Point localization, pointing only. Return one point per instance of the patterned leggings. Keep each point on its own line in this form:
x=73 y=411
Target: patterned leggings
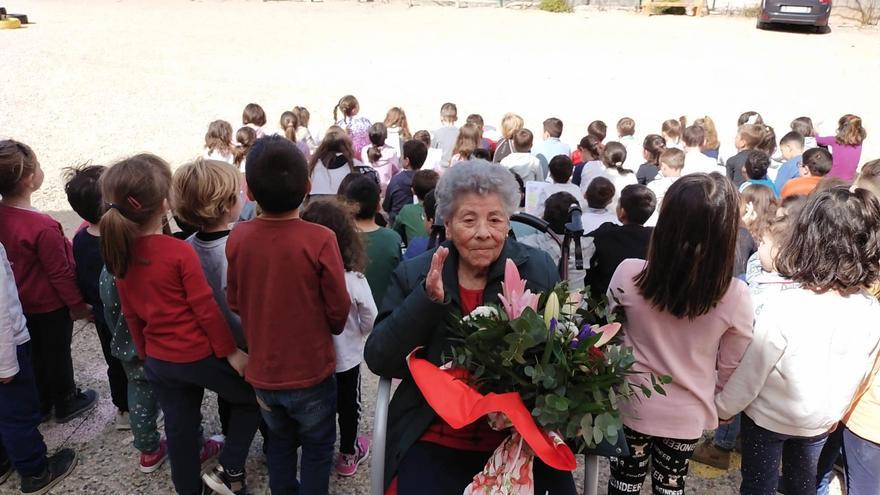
x=143 y=407
x=670 y=459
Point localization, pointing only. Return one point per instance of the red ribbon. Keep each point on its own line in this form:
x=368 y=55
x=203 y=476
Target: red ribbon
x=459 y=405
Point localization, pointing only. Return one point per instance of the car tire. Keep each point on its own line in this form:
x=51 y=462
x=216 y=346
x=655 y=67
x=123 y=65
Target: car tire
x=761 y=25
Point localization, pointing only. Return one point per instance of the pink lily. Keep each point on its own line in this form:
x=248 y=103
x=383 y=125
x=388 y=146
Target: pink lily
x=607 y=333
x=514 y=295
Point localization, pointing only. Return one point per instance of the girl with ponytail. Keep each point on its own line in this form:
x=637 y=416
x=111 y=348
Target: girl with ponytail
x=613 y=157
x=654 y=146
x=379 y=155
x=846 y=146
x=358 y=128
x=175 y=322
x=331 y=162
x=289 y=125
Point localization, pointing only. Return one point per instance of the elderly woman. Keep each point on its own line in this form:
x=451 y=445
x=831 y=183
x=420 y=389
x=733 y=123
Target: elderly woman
x=427 y=456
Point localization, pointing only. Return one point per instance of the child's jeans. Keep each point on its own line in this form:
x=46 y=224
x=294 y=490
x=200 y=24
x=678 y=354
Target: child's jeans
x=762 y=451
x=862 y=461
x=115 y=373
x=20 y=440
x=348 y=390
x=725 y=435
x=143 y=407
x=670 y=459
x=51 y=335
x=302 y=417
x=832 y=449
x=180 y=388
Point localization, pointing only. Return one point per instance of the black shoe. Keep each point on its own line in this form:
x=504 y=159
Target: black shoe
x=59 y=466
x=225 y=483
x=76 y=406
x=5 y=470
x=45 y=416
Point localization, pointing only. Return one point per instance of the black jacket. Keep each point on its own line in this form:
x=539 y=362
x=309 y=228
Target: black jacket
x=615 y=243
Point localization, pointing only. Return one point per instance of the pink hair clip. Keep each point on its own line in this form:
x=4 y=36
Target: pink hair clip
x=134 y=203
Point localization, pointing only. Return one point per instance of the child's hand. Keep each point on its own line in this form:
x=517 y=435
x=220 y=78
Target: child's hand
x=4 y=381
x=83 y=313
x=239 y=361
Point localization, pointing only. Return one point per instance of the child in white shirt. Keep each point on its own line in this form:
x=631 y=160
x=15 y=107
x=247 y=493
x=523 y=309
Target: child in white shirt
x=560 y=171
x=521 y=160
x=671 y=164
x=599 y=196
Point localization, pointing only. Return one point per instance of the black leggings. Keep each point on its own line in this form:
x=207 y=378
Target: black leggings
x=51 y=335
x=669 y=457
x=348 y=406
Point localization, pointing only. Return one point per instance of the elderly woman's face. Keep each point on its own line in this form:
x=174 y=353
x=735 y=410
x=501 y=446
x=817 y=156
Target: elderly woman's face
x=478 y=228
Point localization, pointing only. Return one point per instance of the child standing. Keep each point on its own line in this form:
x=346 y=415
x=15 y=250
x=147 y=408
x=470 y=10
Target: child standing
x=466 y=143
x=218 y=142
x=176 y=325
x=303 y=135
x=398 y=128
x=410 y=222
x=21 y=445
x=419 y=245
x=254 y=117
x=812 y=346
x=846 y=146
x=84 y=195
x=385 y=159
x=331 y=162
x=400 y=189
x=297 y=275
x=358 y=128
x=432 y=162
x=349 y=345
x=815 y=165
x=687 y=330
x=289 y=125
x=521 y=161
x=382 y=244
x=560 y=169
x=792 y=147
x=444 y=137
x=42 y=261
x=244 y=138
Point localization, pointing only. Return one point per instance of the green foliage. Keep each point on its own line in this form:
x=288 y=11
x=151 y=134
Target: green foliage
x=568 y=384
x=554 y=6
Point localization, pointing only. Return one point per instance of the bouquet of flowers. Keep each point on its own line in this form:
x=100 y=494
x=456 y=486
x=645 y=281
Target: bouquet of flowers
x=556 y=376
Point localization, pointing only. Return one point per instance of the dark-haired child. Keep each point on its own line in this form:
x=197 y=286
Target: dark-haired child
x=356 y=126
x=254 y=117
x=379 y=155
x=420 y=244
x=653 y=146
x=382 y=244
x=292 y=298
x=560 y=169
x=626 y=135
x=349 y=345
x=614 y=243
x=755 y=171
x=42 y=261
x=599 y=195
x=410 y=223
x=671 y=165
x=792 y=147
x=813 y=344
x=22 y=447
x=400 y=189
x=551 y=146
x=749 y=137
x=84 y=195
x=814 y=166
x=175 y=323
x=520 y=160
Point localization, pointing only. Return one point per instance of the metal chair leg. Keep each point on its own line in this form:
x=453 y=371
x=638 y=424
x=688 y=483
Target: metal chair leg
x=380 y=435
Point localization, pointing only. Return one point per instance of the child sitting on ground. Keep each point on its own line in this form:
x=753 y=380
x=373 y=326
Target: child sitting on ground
x=815 y=165
x=804 y=127
x=296 y=275
x=695 y=161
x=551 y=146
x=400 y=189
x=671 y=165
x=671 y=132
x=382 y=244
x=175 y=323
x=590 y=152
x=755 y=171
x=419 y=245
x=626 y=130
x=380 y=156
x=218 y=142
x=560 y=171
x=22 y=447
x=410 y=222
x=748 y=138
x=614 y=243
x=599 y=195
x=653 y=147
x=349 y=345
x=613 y=157
x=254 y=117
x=510 y=123
x=813 y=345
x=792 y=147
x=520 y=160
x=42 y=261
x=84 y=195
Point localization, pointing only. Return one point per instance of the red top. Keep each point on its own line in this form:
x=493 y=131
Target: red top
x=42 y=260
x=168 y=304
x=287 y=281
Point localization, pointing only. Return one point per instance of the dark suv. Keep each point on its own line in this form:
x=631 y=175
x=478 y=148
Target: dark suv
x=803 y=12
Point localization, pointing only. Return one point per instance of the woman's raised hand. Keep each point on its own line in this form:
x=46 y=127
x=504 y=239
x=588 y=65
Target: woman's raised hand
x=434 y=282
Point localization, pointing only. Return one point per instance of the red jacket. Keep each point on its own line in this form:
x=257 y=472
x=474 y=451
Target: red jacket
x=42 y=260
x=168 y=304
x=287 y=281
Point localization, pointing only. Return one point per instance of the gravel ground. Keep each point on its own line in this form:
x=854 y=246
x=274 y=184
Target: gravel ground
x=100 y=81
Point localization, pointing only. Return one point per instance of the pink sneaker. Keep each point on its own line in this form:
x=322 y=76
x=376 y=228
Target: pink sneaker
x=347 y=464
x=153 y=461
x=210 y=451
